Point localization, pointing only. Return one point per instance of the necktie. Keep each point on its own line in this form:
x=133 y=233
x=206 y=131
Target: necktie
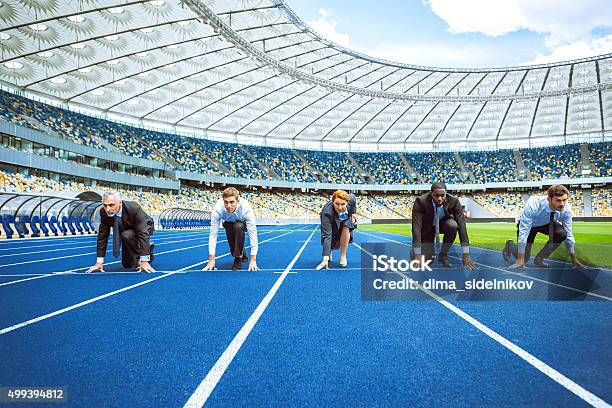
x=551 y=226
x=437 y=222
x=116 y=236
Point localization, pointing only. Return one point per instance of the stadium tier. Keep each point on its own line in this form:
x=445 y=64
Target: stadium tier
x=274 y=207
x=270 y=163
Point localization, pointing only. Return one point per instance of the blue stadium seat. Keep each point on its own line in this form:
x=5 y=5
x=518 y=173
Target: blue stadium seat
x=90 y=226
x=13 y=223
x=42 y=223
x=68 y=227
x=54 y=225
x=33 y=227
x=77 y=226
x=7 y=227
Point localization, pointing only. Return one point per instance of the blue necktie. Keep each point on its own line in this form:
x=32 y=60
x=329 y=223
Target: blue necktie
x=437 y=223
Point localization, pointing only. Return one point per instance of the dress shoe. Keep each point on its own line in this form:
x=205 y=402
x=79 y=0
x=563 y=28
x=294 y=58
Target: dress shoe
x=538 y=262
x=237 y=265
x=444 y=262
x=506 y=250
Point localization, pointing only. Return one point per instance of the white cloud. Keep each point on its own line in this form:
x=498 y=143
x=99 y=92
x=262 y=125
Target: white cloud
x=325 y=26
x=432 y=55
x=577 y=49
x=493 y=18
x=560 y=21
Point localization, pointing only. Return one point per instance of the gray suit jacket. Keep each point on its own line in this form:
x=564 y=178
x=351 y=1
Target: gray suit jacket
x=330 y=223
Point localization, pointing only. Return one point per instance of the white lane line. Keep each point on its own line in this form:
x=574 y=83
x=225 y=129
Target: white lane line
x=63 y=238
x=30 y=239
x=90 y=245
x=524 y=275
x=544 y=368
x=506 y=271
x=83 y=254
x=21 y=275
x=203 y=391
x=86 y=302
x=19 y=245
x=71 y=271
x=18 y=242
x=499 y=251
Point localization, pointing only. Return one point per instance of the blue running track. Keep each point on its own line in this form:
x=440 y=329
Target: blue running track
x=290 y=335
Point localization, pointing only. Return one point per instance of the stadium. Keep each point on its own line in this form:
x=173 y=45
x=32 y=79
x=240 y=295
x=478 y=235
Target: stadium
x=170 y=104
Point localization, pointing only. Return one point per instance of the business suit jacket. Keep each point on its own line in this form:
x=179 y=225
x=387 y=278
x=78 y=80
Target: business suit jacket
x=423 y=219
x=330 y=222
x=132 y=218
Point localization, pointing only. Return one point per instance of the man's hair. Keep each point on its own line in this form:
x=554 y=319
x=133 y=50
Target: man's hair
x=341 y=194
x=111 y=193
x=231 y=192
x=438 y=186
x=557 y=191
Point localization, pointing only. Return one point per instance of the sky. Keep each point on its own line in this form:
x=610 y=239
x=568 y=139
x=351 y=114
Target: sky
x=464 y=33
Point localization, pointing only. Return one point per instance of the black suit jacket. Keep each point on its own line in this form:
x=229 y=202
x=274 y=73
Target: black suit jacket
x=134 y=218
x=423 y=218
x=330 y=222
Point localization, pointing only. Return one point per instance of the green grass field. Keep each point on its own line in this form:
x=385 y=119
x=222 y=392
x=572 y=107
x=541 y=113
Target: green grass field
x=593 y=239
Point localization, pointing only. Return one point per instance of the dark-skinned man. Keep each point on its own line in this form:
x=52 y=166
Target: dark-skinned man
x=438 y=213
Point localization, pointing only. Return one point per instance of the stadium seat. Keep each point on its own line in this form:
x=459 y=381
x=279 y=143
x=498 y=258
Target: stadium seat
x=54 y=225
x=89 y=224
x=42 y=225
x=30 y=227
x=15 y=226
x=68 y=226
x=24 y=224
x=78 y=228
x=7 y=231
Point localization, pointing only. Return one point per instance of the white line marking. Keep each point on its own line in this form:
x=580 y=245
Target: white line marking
x=86 y=302
x=83 y=254
x=109 y=263
x=505 y=271
x=524 y=275
x=6 y=242
x=91 y=245
x=491 y=250
x=203 y=391
x=550 y=372
x=21 y=275
x=72 y=244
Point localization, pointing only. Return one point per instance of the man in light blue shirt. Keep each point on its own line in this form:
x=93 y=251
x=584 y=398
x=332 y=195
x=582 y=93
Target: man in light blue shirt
x=550 y=215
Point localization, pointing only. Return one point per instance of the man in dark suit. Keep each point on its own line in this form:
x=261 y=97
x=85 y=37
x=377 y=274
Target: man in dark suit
x=338 y=220
x=132 y=228
x=435 y=213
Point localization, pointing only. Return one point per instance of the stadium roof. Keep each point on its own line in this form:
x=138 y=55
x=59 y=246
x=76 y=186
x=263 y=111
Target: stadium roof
x=252 y=71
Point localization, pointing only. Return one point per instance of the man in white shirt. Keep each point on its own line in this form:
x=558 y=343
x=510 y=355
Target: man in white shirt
x=238 y=218
x=550 y=215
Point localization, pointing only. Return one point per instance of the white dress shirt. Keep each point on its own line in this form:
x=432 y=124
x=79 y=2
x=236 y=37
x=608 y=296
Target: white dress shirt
x=536 y=213
x=244 y=212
